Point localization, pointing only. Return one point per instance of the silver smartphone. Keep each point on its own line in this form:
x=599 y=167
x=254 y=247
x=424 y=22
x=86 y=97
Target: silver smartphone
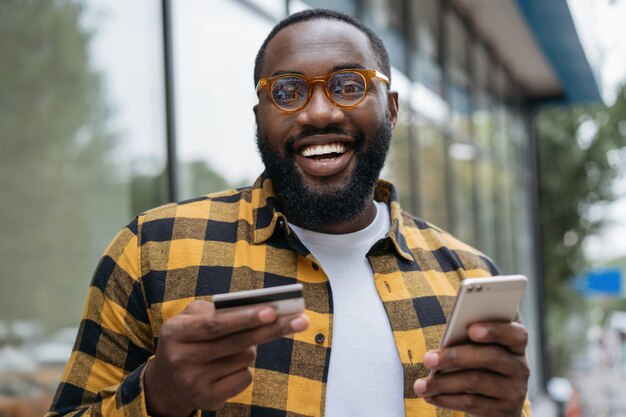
x=285 y=299
x=481 y=300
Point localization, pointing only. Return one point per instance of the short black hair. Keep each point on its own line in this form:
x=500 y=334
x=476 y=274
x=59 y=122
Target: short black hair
x=382 y=57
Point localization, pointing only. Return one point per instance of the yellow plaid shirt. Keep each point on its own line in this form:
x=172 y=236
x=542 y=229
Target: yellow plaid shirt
x=239 y=240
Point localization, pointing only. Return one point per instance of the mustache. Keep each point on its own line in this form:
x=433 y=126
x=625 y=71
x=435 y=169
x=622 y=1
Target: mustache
x=311 y=131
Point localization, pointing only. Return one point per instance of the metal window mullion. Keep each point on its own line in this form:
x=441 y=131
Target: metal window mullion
x=413 y=133
x=471 y=45
x=170 y=108
x=442 y=48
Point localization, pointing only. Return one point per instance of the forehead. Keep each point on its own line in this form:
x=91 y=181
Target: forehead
x=317 y=46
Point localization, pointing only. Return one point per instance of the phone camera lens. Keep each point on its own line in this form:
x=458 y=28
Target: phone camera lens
x=470 y=289
x=479 y=288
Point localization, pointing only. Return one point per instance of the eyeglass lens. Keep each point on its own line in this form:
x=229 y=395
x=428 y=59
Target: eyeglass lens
x=344 y=88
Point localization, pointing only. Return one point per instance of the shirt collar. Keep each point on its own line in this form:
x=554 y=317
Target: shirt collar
x=267 y=214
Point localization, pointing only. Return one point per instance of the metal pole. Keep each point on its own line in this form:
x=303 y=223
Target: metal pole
x=170 y=108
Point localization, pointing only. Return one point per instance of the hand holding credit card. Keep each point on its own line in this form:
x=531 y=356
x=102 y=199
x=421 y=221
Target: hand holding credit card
x=285 y=299
x=205 y=353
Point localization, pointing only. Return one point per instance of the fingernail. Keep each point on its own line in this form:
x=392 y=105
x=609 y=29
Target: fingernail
x=431 y=359
x=479 y=332
x=299 y=323
x=420 y=386
x=267 y=315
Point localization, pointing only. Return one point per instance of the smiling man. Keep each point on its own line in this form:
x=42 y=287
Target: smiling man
x=378 y=283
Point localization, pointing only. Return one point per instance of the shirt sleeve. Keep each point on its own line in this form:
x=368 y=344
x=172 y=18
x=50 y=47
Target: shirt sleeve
x=104 y=376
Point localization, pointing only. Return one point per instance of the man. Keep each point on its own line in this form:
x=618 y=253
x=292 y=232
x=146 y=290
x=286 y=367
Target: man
x=151 y=342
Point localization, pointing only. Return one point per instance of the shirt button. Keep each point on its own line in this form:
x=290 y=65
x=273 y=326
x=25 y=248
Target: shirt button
x=314 y=265
x=319 y=338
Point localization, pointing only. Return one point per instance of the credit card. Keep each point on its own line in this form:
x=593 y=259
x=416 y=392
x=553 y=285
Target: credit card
x=285 y=299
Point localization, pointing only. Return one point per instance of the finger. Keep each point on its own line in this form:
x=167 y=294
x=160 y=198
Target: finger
x=223 y=367
x=237 y=342
x=474 y=356
x=210 y=360
x=470 y=404
x=228 y=387
x=199 y=322
x=513 y=335
x=479 y=382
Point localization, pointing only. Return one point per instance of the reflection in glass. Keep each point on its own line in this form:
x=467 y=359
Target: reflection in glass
x=456 y=48
x=482 y=120
x=460 y=109
x=82 y=132
x=424 y=34
x=518 y=138
x=432 y=174
x=398 y=165
x=462 y=157
x=215 y=93
x=345 y=6
x=385 y=18
x=274 y=8
x=486 y=177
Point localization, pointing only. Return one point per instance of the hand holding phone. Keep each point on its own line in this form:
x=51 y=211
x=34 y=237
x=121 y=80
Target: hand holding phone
x=482 y=300
x=485 y=375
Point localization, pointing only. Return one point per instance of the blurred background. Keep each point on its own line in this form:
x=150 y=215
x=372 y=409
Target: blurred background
x=512 y=136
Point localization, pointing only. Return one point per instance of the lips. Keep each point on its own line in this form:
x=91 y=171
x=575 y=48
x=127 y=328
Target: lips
x=324 y=155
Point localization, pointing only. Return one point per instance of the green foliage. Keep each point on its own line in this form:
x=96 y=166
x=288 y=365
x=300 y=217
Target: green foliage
x=55 y=149
x=68 y=181
x=576 y=173
x=203 y=179
x=148 y=191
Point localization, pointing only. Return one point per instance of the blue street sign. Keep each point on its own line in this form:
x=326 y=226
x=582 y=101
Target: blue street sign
x=602 y=282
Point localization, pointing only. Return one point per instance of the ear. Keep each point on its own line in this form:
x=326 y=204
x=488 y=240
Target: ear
x=392 y=102
x=255 y=109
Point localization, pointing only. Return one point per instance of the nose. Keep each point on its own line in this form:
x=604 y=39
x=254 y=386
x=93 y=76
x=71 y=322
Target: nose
x=320 y=112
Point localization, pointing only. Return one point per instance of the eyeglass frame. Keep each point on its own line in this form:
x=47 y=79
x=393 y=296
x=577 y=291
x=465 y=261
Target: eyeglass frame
x=367 y=74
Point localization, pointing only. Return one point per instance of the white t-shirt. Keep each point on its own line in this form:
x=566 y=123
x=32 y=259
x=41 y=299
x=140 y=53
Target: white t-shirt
x=365 y=376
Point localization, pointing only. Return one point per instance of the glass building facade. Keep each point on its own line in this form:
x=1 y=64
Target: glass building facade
x=85 y=143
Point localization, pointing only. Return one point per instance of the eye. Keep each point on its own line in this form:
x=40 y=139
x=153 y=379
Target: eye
x=347 y=86
x=289 y=91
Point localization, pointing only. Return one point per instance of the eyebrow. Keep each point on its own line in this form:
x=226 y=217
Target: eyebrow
x=338 y=67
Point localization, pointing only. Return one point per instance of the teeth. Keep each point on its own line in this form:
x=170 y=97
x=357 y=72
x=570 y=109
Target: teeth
x=316 y=150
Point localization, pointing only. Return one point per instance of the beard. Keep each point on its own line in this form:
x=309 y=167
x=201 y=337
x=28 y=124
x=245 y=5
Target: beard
x=320 y=206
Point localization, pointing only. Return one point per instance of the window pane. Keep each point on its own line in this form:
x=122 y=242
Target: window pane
x=424 y=32
x=458 y=97
x=215 y=93
x=432 y=174
x=462 y=159
x=385 y=18
x=82 y=150
x=482 y=65
x=345 y=6
x=456 y=48
x=275 y=9
x=482 y=120
x=398 y=165
x=486 y=174
x=425 y=27
x=456 y=66
x=505 y=245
